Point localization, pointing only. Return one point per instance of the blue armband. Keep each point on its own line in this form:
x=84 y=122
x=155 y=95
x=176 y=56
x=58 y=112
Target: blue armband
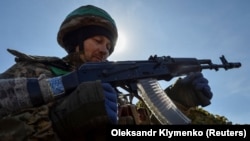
x=56 y=86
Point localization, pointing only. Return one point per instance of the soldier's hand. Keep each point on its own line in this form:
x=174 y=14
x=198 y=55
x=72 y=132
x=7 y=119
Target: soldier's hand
x=191 y=91
x=110 y=101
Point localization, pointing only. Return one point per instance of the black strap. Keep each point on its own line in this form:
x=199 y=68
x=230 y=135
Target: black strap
x=35 y=93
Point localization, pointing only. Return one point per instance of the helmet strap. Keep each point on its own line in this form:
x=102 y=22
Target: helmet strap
x=81 y=47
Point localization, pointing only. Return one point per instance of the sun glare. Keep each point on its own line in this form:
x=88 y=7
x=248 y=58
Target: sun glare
x=121 y=42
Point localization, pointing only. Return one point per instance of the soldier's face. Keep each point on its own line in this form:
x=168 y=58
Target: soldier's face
x=96 y=49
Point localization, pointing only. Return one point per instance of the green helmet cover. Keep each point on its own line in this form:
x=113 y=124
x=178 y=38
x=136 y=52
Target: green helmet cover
x=87 y=16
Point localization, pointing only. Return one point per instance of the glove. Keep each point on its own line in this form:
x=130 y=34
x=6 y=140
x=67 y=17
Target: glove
x=191 y=91
x=110 y=102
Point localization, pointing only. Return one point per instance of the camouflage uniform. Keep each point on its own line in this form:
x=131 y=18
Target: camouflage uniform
x=32 y=121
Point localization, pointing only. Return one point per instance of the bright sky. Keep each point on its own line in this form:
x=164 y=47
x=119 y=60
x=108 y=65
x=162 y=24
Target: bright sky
x=202 y=29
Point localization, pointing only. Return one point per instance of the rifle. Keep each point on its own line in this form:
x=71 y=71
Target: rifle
x=140 y=78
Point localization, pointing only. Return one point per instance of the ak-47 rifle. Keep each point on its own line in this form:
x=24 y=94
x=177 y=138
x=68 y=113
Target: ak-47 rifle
x=142 y=76
x=139 y=78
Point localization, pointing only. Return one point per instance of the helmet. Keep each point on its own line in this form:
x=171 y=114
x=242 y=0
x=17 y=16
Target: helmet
x=86 y=18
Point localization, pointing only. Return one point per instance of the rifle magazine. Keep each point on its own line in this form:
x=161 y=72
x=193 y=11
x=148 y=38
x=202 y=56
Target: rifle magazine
x=160 y=104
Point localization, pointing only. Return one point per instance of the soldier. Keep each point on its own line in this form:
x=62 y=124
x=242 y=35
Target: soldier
x=29 y=109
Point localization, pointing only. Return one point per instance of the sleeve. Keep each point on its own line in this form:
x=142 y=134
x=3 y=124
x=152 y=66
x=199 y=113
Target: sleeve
x=80 y=111
x=13 y=95
x=20 y=93
x=24 y=85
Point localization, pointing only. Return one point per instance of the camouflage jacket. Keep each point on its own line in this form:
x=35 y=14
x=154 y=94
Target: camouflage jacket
x=32 y=123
